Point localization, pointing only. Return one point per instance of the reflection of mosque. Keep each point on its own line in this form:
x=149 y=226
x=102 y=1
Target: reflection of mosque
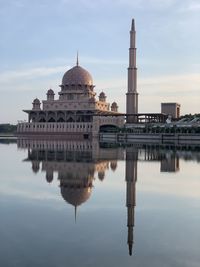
x=78 y=162
x=75 y=162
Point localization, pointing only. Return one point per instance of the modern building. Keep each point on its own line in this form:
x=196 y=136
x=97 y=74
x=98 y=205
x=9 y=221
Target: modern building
x=75 y=113
x=172 y=109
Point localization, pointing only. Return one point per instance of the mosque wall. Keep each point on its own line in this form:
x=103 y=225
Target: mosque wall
x=54 y=127
x=55 y=105
x=106 y=120
x=70 y=127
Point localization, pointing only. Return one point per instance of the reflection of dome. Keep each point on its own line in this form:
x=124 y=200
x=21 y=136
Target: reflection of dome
x=113 y=165
x=101 y=175
x=77 y=76
x=75 y=196
x=49 y=177
x=35 y=166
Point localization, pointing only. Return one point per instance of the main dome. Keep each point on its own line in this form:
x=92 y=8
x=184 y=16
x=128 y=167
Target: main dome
x=77 y=76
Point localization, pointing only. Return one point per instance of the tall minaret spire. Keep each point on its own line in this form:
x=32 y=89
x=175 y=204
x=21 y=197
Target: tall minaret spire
x=132 y=94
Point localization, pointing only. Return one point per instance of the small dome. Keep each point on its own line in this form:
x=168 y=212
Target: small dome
x=36 y=101
x=77 y=76
x=114 y=105
x=50 y=92
x=102 y=95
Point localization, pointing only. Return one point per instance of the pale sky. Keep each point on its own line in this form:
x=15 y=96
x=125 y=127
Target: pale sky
x=39 y=40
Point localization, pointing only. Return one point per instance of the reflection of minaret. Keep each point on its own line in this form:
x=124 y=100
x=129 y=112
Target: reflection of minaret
x=132 y=94
x=131 y=178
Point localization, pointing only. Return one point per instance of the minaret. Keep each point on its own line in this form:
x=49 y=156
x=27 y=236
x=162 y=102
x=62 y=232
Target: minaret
x=131 y=178
x=132 y=94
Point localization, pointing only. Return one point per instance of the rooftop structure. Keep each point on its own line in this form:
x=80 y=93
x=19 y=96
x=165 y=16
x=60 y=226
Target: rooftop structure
x=171 y=109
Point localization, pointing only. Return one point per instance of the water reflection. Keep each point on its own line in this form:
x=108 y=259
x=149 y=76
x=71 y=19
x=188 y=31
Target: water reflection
x=131 y=179
x=76 y=164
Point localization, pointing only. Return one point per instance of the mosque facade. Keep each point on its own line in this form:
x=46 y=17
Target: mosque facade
x=76 y=112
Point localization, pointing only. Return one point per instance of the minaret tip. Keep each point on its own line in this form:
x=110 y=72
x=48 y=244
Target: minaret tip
x=133 y=25
x=77 y=61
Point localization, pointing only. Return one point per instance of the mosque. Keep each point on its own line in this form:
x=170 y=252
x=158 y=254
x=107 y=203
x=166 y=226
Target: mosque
x=77 y=112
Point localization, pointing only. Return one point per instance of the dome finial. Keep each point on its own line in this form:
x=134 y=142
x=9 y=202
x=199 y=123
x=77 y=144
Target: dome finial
x=77 y=61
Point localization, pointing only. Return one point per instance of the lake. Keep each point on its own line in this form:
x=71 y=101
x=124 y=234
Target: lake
x=70 y=203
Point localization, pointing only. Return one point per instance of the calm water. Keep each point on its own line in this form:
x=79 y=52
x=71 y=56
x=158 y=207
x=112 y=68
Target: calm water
x=75 y=204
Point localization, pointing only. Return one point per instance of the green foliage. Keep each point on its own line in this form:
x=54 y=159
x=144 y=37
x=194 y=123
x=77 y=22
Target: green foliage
x=190 y=116
x=8 y=128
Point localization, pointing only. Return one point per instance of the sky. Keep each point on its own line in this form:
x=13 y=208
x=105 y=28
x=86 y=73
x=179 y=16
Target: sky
x=40 y=38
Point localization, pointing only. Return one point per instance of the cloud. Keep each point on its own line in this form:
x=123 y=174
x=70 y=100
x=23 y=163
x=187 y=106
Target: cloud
x=103 y=61
x=192 y=6
x=142 y=4
x=174 y=83
x=41 y=195
x=11 y=76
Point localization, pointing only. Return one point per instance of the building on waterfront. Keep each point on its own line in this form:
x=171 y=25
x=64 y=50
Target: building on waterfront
x=76 y=113
x=172 y=109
